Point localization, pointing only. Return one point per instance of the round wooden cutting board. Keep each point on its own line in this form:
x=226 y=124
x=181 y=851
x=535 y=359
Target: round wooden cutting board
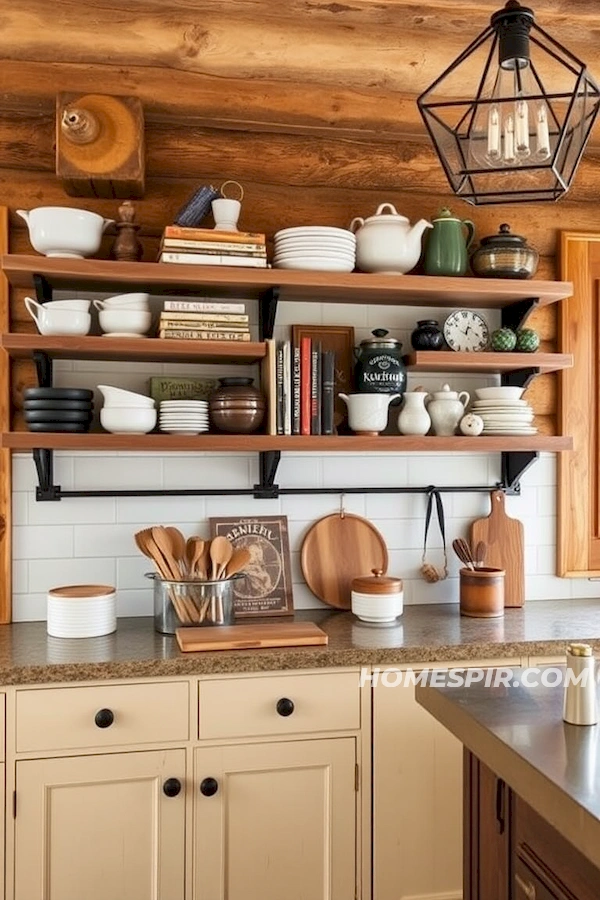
x=337 y=549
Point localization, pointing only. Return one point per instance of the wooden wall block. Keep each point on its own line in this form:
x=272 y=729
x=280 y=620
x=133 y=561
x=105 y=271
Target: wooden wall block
x=100 y=145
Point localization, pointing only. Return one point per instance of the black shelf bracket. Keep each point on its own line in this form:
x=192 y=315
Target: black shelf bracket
x=520 y=377
x=515 y=315
x=514 y=465
x=268 y=462
x=43 y=368
x=43 y=289
x=267 y=311
x=44 y=464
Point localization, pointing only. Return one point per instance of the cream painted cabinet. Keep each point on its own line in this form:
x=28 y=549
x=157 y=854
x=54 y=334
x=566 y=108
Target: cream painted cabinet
x=275 y=820
x=100 y=827
x=417 y=798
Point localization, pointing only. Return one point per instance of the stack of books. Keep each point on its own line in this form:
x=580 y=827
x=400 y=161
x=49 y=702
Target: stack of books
x=300 y=384
x=204 y=320
x=211 y=247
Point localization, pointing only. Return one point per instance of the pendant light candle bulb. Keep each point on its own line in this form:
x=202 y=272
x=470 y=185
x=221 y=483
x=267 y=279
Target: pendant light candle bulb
x=493 y=143
x=543 y=135
x=522 y=129
x=509 y=141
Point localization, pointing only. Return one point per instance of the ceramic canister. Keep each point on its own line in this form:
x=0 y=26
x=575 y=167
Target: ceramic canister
x=81 y=611
x=379 y=365
x=377 y=598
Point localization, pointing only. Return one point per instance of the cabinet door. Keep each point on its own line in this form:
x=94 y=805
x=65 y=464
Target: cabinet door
x=280 y=824
x=417 y=801
x=578 y=518
x=487 y=833
x=100 y=828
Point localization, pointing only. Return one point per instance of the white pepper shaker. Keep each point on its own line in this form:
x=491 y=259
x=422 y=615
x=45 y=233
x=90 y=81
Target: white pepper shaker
x=580 y=706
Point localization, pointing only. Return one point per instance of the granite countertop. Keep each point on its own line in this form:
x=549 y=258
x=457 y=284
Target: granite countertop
x=519 y=733
x=434 y=633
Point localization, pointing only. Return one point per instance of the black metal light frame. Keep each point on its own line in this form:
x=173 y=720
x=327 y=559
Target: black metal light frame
x=511 y=30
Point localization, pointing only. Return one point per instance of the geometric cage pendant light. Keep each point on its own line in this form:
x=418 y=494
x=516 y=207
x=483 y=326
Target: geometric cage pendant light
x=510 y=117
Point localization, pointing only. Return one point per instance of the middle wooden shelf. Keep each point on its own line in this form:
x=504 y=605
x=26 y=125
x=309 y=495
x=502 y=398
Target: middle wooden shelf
x=21 y=346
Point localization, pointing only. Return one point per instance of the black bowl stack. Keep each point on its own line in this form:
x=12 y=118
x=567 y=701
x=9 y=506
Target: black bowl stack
x=58 y=409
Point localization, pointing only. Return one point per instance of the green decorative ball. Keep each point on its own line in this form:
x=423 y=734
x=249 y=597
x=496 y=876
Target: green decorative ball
x=503 y=340
x=528 y=340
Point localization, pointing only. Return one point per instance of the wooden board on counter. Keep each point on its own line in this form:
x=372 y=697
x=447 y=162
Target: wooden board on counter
x=247 y=637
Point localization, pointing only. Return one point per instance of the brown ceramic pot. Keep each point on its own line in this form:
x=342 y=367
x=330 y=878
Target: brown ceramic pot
x=237 y=407
x=482 y=593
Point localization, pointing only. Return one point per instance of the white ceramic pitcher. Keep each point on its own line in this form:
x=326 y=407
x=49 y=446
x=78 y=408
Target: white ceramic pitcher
x=446 y=409
x=414 y=418
x=368 y=413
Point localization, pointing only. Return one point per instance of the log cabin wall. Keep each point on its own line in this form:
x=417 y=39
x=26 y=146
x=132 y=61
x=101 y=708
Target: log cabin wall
x=310 y=104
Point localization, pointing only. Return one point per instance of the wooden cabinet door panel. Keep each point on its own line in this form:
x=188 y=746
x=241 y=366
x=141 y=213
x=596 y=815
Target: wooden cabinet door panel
x=282 y=823
x=578 y=521
x=100 y=828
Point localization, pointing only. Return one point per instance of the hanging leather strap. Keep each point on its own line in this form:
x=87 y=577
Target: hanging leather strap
x=434 y=494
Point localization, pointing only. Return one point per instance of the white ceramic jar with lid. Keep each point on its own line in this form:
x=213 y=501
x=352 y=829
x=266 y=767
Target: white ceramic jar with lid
x=81 y=611
x=377 y=598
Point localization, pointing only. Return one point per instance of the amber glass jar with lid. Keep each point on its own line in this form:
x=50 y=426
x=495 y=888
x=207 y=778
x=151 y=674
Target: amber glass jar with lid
x=377 y=598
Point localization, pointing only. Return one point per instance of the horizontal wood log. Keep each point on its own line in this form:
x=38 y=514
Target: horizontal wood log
x=269 y=207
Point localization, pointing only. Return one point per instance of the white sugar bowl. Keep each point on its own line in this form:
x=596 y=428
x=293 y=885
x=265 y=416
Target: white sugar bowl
x=377 y=598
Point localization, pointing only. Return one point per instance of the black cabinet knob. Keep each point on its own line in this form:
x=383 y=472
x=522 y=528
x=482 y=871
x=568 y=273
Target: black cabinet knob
x=172 y=787
x=209 y=787
x=285 y=706
x=104 y=718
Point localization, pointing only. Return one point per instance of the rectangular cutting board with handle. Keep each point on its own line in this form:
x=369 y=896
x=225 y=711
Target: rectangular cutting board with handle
x=247 y=637
x=505 y=541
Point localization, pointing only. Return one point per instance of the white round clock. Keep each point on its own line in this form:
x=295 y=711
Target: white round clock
x=466 y=331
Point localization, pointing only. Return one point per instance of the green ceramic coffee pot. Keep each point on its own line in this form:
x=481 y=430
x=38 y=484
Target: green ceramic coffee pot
x=448 y=244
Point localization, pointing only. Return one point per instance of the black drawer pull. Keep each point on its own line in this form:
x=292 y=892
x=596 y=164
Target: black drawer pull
x=104 y=718
x=285 y=706
x=172 y=787
x=209 y=787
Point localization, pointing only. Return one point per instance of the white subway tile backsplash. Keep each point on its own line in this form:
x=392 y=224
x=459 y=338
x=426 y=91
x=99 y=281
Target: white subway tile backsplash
x=458 y=469
x=42 y=542
x=76 y=511
x=362 y=471
x=144 y=511
x=48 y=573
x=309 y=507
x=29 y=607
x=105 y=540
x=135 y=603
x=206 y=472
x=117 y=472
x=20 y=576
x=20 y=508
x=131 y=572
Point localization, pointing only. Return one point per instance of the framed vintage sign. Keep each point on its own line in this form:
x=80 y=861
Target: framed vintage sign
x=267 y=588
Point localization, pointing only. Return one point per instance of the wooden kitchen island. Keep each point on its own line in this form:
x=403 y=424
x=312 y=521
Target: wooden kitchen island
x=531 y=791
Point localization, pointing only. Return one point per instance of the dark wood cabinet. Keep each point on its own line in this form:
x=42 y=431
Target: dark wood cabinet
x=510 y=852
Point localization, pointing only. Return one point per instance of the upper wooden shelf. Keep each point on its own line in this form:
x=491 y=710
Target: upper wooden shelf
x=486 y=362
x=330 y=287
x=133 y=349
x=25 y=440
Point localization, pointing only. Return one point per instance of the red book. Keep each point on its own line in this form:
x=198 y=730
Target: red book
x=305 y=384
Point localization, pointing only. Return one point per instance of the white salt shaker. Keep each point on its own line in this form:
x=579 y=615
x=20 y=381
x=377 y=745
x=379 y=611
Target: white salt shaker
x=580 y=690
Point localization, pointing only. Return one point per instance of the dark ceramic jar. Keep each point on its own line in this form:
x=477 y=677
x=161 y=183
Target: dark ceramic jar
x=379 y=365
x=237 y=407
x=427 y=336
x=505 y=255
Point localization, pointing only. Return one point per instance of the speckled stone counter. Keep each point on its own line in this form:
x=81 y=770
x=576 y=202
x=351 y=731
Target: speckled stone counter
x=424 y=634
x=519 y=733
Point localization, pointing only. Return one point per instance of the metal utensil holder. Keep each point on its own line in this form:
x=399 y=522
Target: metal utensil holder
x=180 y=604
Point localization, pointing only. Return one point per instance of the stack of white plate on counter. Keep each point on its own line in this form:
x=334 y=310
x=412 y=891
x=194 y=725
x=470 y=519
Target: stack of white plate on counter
x=183 y=416
x=315 y=247
x=503 y=411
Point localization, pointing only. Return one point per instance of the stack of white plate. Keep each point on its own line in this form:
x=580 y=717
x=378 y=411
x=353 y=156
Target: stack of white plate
x=81 y=610
x=315 y=247
x=183 y=416
x=505 y=416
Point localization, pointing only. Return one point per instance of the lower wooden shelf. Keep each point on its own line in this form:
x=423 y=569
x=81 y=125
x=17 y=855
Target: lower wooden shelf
x=238 y=443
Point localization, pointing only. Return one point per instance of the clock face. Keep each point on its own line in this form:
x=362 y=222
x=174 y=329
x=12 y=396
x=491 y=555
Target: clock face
x=466 y=331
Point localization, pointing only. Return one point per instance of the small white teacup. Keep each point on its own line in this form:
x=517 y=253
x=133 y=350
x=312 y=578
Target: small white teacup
x=58 y=321
x=78 y=305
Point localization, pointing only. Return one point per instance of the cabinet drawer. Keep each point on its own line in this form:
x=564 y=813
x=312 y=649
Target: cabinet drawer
x=285 y=704
x=70 y=718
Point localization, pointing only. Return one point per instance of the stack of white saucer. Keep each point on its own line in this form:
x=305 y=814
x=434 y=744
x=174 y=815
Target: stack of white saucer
x=315 y=247
x=183 y=416
x=503 y=411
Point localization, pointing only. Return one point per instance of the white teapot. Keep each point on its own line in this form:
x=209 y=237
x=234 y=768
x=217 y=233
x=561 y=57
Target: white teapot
x=446 y=409
x=386 y=243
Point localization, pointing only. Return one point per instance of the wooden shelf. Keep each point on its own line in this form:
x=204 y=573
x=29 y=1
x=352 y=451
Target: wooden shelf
x=235 y=443
x=133 y=349
x=316 y=287
x=486 y=362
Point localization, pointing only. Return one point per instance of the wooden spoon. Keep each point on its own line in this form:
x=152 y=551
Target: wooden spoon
x=462 y=550
x=162 y=540
x=203 y=562
x=178 y=547
x=239 y=560
x=148 y=547
x=221 y=551
x=480 y=554
x=197 y=568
